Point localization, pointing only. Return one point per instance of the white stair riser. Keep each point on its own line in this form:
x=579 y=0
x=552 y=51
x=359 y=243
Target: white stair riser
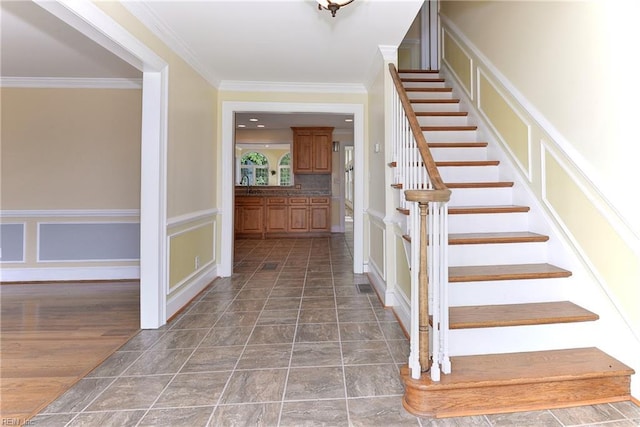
x=468 y=173
x=423 y=84
x=488 y=223
x=497 y=254
x=459 y=153
x=481 y=196
x=439 y=106
x=450 y=136
x=520 y=338
x=429 y=95
x=508 y=291
x=420 y=75
x=442 y=120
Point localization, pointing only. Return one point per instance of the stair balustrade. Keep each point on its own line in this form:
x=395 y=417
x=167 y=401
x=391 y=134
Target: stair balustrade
x=426 y=198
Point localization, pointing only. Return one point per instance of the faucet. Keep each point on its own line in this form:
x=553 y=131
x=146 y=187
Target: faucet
x=242 y=182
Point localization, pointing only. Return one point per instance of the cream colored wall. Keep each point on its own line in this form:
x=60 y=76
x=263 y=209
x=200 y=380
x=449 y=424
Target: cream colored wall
x=575 y=63
x=190 y=249
x=70 y=149
x=192 y=126
x=192 y=153
x=539 y=80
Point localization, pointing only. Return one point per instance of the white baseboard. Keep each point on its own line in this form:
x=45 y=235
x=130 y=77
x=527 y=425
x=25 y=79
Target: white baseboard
x=69 y=273
x=403 y=310
x=187 y=292
x=388 y=298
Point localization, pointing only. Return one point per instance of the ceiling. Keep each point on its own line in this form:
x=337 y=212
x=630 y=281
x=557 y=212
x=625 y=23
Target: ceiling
x=229 y=42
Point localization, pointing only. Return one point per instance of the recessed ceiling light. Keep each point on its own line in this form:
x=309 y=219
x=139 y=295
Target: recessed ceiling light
x=242 y=126
x=348 y=120
x=260 y=126
x=253 y=120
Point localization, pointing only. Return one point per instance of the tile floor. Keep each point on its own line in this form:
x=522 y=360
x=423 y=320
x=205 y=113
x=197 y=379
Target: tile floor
x=288 y=340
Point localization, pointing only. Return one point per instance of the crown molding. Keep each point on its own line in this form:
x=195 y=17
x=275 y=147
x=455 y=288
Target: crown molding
x=295 y=87
x=161 y=30
x=71 y=82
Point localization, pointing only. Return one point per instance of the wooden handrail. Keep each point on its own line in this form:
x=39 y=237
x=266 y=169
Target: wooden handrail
x=442 y=193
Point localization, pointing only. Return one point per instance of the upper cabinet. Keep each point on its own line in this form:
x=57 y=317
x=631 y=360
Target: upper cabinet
x=312 y=149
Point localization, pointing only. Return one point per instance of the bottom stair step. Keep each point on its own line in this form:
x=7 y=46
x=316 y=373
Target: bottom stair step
x=513 y=382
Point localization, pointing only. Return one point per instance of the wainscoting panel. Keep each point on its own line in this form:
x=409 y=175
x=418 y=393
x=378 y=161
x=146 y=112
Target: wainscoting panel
x=12 y=242
x=116 y=241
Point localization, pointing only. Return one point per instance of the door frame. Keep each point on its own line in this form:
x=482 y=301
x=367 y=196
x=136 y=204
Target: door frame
x=229 y=108
x=96 y=25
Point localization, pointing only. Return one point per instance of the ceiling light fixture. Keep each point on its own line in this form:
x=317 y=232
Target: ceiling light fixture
x=253 y=120
x=332 y=6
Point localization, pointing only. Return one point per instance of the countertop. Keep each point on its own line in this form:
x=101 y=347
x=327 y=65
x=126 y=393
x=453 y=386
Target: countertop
x=265 y=191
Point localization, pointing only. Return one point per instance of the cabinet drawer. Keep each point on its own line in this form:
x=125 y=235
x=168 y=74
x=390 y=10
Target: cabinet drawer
x=298 y=200
x=319 y=200
x=276 y=200
x=249 y=201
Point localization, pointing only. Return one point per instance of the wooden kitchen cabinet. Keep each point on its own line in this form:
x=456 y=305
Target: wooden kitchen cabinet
x=319 y=214
x=312 y=149
x=276 y=215
x=298 y=214
x=249 y=218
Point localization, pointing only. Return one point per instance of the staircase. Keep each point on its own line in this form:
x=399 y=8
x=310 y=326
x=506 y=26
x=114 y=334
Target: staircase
x=510 y=326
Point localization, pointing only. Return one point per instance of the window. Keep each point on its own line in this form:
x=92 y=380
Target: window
x=254 y=169
x=284 y=169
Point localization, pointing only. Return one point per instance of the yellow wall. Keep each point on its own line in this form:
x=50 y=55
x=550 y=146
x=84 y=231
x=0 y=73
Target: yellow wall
x=185 y=245
x=70 y=149
x=192 y=127
x=542 y=68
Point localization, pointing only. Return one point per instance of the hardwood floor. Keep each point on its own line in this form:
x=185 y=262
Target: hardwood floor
x=54 y=334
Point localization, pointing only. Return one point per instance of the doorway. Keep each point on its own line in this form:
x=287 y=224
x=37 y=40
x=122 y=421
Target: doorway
x=229 y=109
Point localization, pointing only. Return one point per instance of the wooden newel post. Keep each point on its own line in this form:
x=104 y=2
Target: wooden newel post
x=425 y=360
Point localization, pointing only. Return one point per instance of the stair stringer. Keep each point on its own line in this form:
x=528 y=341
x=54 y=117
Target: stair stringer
x=612 y=332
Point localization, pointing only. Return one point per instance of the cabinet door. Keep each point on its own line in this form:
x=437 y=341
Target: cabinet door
x=319 y=218
x=252 y=219
x=298 y=218
x=303 y=152
x=322 y=146
x=277 y=218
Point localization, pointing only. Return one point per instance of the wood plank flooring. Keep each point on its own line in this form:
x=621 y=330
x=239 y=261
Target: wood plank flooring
x=54 y=334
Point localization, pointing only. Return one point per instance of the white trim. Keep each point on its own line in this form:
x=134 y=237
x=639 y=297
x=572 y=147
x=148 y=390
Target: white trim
x=181 y=297
x=293 y=87
x=191 y=217
x=587 y=172
x=528 y=173
x=226 y=165
x=388 y=299
x=69 y=213
x=472 y=83
x=91 y=21
x=164 y=32
x=389 y=53
x=402 y=308
x=69 y=273
x=71 y=82
x=584 y=257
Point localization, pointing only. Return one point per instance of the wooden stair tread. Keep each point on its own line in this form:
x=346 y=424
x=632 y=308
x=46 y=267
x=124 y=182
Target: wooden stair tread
x=428 y=89
x=489 y=184
x=492 y=238
x=447 y=128
x=483 y=273
x=436 y=101
x=468 y=163
x=488 y=238
x=417 y=70
x=457 y=144
x=464 y=210
x=543 y=313
x=529 y=367
x=421 y=80
x=442 y=113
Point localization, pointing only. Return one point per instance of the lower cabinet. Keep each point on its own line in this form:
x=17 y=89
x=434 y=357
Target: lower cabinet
x=282 y=216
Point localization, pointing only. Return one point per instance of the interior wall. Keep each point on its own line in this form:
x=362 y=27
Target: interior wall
x=566 y=157
x=71 y=173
